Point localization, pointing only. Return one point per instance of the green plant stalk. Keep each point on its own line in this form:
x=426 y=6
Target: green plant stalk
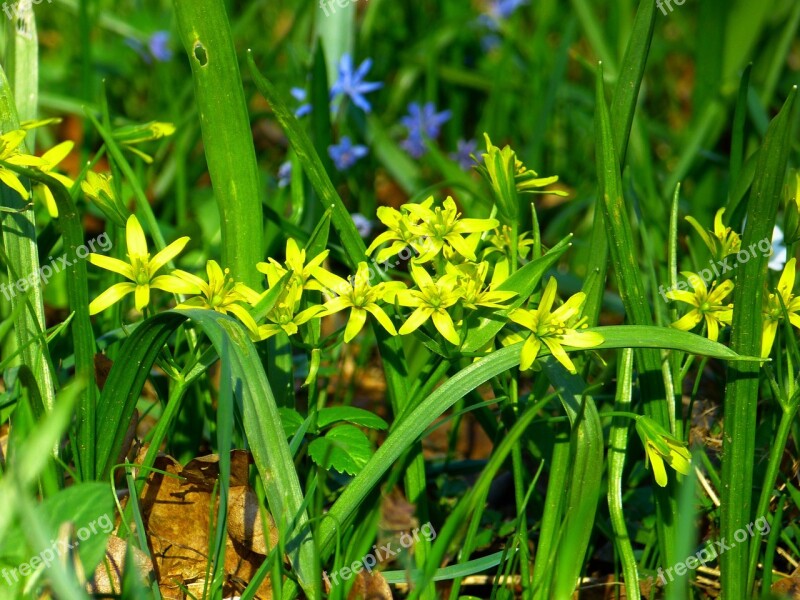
x=586 y=473
x=631 y=291
x=554 y=503
x=617 y=447
x=19 y=241
x=227 y=138
x=741 y=393
x=777 y=446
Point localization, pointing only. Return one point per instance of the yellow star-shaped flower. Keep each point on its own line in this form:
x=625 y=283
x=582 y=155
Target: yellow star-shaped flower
x=554 y=328
x=360 y=297
x=141 y=271
x=9 y=144
x=707 y=304
x=431 y=301
x=662 y=447
x=295 y=262
x=284 y=316
x=722 y=241
x=221 y=294
x=773 y=307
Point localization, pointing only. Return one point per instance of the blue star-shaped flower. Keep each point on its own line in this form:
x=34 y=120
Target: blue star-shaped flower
x=159 y=46
x=352 y=84
x=300 y=95
x=421 y=122
x=462 y=154
x=285 y=174
x=345 y=154
x=499 y=10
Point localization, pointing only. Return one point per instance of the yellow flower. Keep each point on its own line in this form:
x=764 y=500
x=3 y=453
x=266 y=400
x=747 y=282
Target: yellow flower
x=660 y=447
x=130 y=135
x=295 y=262
x=707 y=305
x=97 y=187
x=431 y=301
x=554 y=329
x=722 y=241
x=773 y=307
x=443 y=228
x=221 y=294
x=471 y=277
x=9 y=142
x=140 y=270
x=500 y=241
x=284 y=316
x=51 y=159
x=360 y=297
x=399 y=231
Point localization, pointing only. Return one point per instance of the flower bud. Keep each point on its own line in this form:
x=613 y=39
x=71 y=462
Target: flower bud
x=97 y=187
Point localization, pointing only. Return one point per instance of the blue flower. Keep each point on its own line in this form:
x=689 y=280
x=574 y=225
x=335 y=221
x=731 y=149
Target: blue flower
x=300 y=95
x=462 y=154
x=352 y=84
x=363 y=224
x=498 y=11
x=345 y=155
x=285 y=174
x=159 y=46
x=778 y=256
x=422 y=122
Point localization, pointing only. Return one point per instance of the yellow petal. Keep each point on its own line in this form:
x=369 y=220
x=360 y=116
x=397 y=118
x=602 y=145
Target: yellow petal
x=167 y=254
x=332 y=282
x=57 y=153
x=358 y=316
x=112 y=264
x=381 y=317
x=134 y=235
x=142 y=297
x=444 y=323
x=244 y=316
x=559 y=354
x=216 y=277
x=658 y=466
x=688 y=321
x=768 y=337
x=174 y=285
x=416 y=319
x=12 y=181
x=111 y=296
x=530 y=350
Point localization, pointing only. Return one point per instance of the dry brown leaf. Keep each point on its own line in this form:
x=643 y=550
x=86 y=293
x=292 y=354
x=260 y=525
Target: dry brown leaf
x=370 y=586
x=107 y=577
x=176 y=513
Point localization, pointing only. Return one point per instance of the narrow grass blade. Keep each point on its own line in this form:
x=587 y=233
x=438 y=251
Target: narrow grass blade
x=741 y=393
x=260 y=417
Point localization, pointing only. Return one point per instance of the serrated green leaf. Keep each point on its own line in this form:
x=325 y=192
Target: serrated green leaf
x=351 y=414
x=345 y=448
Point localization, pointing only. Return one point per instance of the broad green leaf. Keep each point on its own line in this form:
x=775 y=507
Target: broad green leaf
x=345 y=448
x=227 y=137
x=351 y=414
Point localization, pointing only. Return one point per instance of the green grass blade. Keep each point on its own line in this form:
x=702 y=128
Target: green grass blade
x=227 y=138
x=741 y=393
x=19 y=241
x=261 y=419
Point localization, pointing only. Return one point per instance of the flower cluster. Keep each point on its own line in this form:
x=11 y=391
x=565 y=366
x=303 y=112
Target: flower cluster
x=454 y=278
x=708 y=305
